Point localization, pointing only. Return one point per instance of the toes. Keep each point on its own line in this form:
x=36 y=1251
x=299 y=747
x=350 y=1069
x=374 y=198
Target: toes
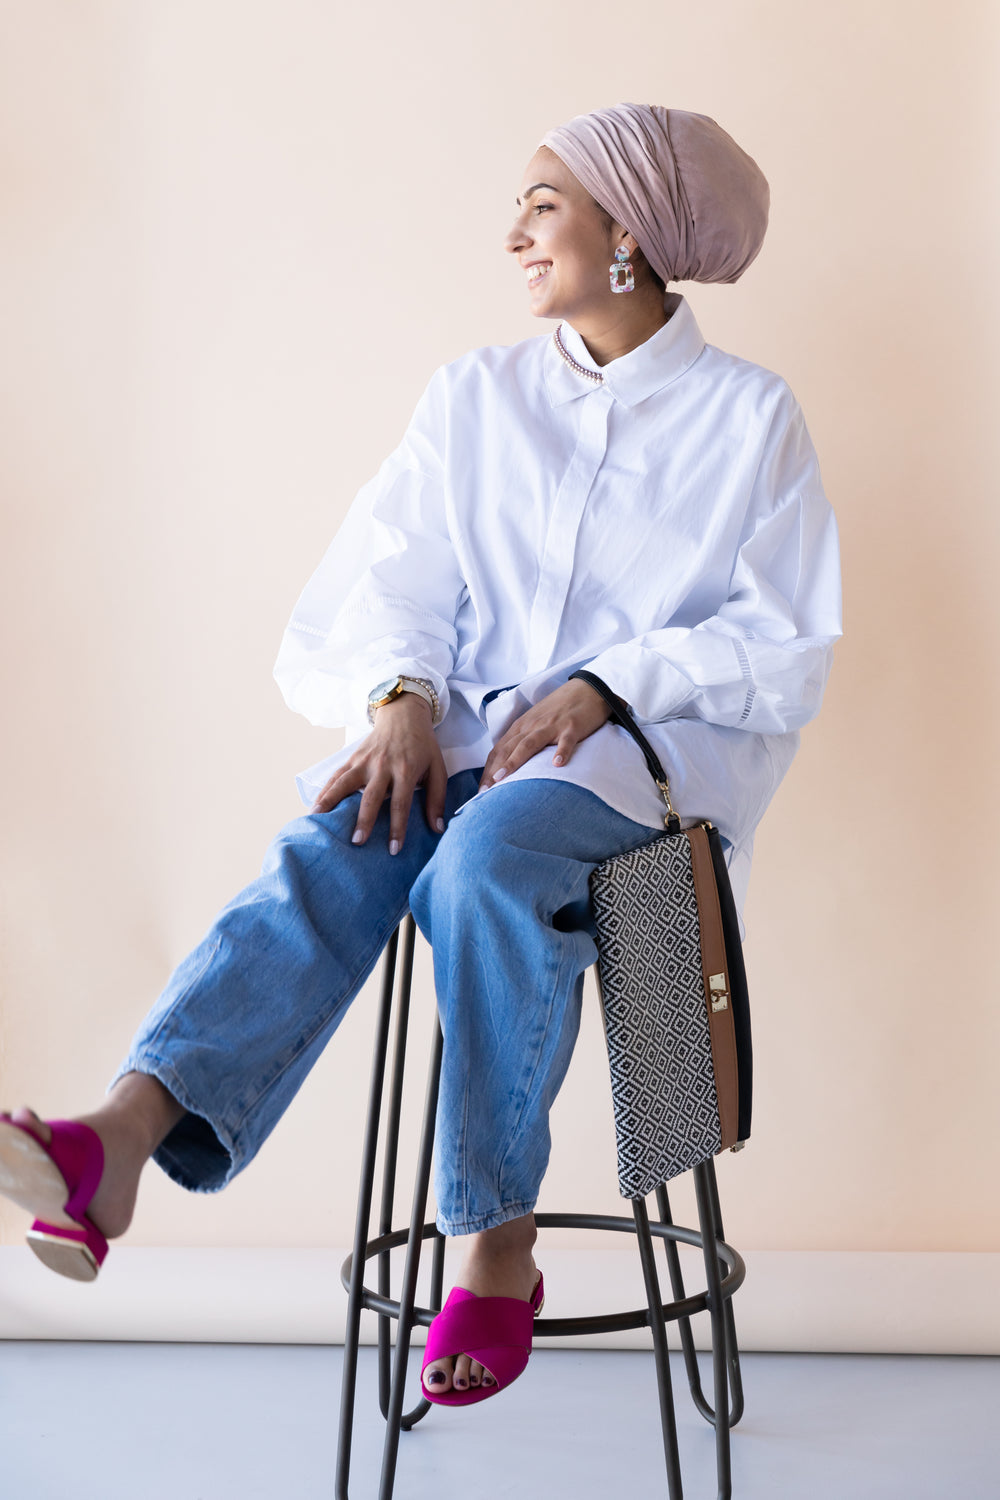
x=30 y=1121
x=437 y=1377
x=461 y=1375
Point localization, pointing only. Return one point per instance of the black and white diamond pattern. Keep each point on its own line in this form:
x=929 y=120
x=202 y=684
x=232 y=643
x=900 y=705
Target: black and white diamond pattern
x=659 y=1048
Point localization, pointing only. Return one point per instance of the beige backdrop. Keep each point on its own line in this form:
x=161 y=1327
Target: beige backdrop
x=237 y=238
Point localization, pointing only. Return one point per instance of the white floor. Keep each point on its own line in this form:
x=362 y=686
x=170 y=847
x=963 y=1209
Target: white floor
x=232 y=1422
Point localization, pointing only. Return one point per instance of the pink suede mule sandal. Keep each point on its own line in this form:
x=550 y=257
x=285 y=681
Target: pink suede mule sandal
x=56 y=1182
x=494 y=1331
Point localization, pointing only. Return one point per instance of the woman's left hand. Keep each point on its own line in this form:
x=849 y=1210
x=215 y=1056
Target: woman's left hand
x=563 y=719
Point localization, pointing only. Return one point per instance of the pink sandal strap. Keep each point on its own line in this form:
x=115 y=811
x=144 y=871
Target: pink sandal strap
x=77 y=1151
x=468 y=1322
x=496 y=1332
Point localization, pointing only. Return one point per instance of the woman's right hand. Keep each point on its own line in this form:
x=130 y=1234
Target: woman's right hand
x=400 y=754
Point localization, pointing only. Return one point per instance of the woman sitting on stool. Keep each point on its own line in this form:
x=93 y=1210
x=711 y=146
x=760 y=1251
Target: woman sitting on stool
x=617 y=496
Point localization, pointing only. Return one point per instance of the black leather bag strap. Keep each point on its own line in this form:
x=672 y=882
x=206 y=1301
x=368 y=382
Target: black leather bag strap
x=621 y=716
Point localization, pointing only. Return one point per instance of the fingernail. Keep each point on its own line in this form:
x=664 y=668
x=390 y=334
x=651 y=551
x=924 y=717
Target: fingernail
x=499 y=775
x=557 y=760
x=394 y=846
x=439 y=824
x=357 y=837
x=436 y=1377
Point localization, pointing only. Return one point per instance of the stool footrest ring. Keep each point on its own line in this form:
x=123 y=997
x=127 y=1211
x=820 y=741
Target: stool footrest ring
x=684 y=1307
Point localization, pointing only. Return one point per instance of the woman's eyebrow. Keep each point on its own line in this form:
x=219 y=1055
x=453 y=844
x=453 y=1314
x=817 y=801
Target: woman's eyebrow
x=537 y=189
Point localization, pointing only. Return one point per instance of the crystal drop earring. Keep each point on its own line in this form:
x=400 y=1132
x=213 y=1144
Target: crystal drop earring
x=622 y=268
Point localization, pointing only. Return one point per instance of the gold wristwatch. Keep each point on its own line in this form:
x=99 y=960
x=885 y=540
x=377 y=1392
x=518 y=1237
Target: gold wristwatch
x=393 y=687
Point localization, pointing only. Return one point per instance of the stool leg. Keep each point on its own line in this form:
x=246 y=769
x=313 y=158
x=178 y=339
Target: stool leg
x=717 y=1312
x=365 y=1192
x=437 y=1273
x=661 y=1353
x=407 y=1296
x=732 y=1347
x=684 y=1324
x=392 y=1153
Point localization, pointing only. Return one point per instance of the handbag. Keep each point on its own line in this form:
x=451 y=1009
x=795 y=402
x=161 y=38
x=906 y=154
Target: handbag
x=673 y=991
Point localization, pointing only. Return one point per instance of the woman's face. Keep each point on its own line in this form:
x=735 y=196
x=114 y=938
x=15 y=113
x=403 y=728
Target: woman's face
x=563 y=241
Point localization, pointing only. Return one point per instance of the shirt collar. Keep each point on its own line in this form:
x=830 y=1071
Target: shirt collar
x=636 y=375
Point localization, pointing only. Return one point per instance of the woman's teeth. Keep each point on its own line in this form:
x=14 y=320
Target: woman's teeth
x=535 y=273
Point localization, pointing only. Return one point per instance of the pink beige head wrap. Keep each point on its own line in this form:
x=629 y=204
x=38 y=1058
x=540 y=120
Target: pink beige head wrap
x=696 y=203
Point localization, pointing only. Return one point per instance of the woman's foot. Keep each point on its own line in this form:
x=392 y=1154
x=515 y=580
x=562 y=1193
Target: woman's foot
x=498 y=1263
x=133 y=1120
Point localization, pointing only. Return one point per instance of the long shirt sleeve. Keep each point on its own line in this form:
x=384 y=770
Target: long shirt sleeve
x=761 y=661
x=386 y=597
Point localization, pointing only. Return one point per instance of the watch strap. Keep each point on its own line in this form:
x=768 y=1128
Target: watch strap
x=418 y=685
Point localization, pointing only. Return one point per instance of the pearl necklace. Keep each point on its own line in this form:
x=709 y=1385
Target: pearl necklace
x=578 y=369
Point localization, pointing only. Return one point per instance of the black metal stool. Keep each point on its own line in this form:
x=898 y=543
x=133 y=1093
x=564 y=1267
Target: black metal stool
x=724 y=1268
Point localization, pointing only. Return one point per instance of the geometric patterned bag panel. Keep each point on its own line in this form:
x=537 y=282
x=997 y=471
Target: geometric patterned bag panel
x=653 y=996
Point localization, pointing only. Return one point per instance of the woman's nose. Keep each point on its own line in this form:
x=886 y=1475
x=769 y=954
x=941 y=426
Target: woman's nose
x=517 y=238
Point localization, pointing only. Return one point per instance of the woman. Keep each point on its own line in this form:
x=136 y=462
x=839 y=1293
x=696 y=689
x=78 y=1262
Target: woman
x=618 y=496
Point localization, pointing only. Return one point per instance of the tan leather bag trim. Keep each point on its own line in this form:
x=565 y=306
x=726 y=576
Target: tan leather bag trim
x=721 y=1027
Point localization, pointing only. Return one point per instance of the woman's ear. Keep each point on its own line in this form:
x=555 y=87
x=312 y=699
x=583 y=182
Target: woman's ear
x=621 y=236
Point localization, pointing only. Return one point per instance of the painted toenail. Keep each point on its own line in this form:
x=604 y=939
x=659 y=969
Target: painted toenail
x=461 y=1384
x=436 y=1377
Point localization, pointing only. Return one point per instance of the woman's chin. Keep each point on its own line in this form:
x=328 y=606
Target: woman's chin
x=543 y=307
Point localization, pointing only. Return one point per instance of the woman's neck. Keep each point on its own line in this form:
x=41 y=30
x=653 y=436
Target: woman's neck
x=618 y=329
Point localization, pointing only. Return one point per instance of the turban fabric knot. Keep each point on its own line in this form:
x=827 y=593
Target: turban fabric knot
x=695 y=202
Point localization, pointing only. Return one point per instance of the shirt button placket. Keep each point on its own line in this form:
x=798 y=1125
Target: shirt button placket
x=556 y=572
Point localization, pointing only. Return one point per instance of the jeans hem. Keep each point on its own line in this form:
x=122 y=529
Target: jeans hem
x=455 y=1227
x=177 y=1164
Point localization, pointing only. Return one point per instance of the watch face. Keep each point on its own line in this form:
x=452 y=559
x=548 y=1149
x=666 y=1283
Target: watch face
x=384 y=691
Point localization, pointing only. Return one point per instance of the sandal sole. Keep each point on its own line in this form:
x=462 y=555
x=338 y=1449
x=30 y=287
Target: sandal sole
x=30 y=1178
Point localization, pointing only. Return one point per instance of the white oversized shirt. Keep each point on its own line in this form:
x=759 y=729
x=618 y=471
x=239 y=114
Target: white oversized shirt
x=666 y=529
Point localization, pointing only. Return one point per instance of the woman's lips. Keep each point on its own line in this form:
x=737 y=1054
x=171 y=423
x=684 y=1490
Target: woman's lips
x=538 y=272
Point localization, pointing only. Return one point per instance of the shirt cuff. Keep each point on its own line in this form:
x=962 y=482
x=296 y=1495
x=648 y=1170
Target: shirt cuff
x=653 y=689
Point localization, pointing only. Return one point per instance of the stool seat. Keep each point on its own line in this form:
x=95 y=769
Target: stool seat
x=724 y=1267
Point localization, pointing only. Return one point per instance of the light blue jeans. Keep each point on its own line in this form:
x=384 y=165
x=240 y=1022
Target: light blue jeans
x=502 y=896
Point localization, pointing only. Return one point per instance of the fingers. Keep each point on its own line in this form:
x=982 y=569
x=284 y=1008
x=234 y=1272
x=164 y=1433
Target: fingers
x=343 y=783
x=565 y=745
x=399 y=813
x=435 y=788
x=499 y=763
x=516 y=749
x=568 y=715
x=494 y=759
x=372 y=798
x=392 y=765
